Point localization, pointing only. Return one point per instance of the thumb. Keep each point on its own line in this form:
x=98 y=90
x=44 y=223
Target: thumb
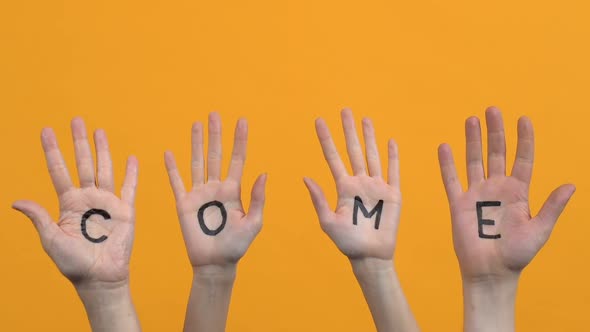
x=38 y=215
x=257 y=199
x=553 y=207
x=318 y=199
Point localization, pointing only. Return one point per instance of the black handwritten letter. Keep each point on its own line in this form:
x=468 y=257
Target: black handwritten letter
x=358 y=204
x=85 y=217
x=480 y=221
x=204 y=227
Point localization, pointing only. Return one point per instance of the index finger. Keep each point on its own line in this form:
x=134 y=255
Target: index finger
x=525 y=151
x=238 y=157
x=330 y=152
x=449 y=172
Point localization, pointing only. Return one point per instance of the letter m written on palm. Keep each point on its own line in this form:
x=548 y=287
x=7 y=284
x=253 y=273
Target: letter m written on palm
x=377 y=210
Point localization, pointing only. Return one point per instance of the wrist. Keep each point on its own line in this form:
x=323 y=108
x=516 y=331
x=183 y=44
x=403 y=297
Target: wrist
x=489 y=302
x=492 y=284
x=384 y=295
x=93 y=289
x=210 y=297
x=108 y=305
x=215 y=273
x=104 y=295
x=370 y=267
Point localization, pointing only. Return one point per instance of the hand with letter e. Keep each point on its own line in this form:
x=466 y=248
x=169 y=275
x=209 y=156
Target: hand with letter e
x=494 y=235
x=91 y=243
x=364 y=224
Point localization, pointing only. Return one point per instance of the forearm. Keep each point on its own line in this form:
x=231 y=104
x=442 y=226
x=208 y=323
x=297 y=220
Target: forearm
x=210 y=298
x=384 y=295
x=489 y=304
x=109 y=306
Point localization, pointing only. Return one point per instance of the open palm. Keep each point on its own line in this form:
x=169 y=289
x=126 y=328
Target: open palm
x=215 y=227
x=509 y=237
x=373 y=234
x=93 y=238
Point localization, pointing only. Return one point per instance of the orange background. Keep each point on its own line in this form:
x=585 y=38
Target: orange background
x=145 y=70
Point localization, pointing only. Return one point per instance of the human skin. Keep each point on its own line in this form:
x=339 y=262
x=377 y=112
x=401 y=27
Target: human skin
x=99 y=271
x=369 y=250
x=214 y=257
x=491 y=262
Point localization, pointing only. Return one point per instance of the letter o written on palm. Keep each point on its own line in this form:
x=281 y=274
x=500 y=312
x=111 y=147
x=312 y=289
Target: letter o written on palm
x=215 y=227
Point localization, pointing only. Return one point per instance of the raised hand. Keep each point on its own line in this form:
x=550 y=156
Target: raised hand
x=217 y=231
x=494 y=234
x=91 y=243
x=364 y=225
x=215 y=227
x=365 y=222
x=505 y=237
